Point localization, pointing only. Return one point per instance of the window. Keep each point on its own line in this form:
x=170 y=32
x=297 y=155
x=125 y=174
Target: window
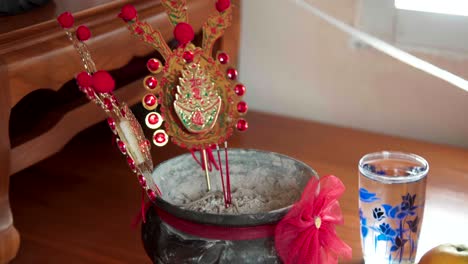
x=449 y=7
x=439 y=26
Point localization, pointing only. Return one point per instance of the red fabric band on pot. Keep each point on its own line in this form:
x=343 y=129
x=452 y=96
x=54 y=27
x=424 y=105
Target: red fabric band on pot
x=217 y=232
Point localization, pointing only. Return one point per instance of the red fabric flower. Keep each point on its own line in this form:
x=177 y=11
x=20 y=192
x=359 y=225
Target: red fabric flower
x=103 y=82
x=307 y=233
x=222 y=5
x=83 y=33
x=84 y=79
x=66 y=20
x=128 y=13
x=183 y=33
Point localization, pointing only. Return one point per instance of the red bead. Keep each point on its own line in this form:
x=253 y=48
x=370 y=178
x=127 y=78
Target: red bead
x=151 y=195
x=83 y=33
x=231 y=74
x=142 y=180
x=123 y=113
x=66 y=20
x=131 y=163
x=222 y=5
x=160 y=138
x=108 y=104
x=121 y=146
x=242 y=107
x=183 y=33
x=153 y=119
x=239 y=89
x=111 y=123
x=188 y=56
x=128 y=13
x=154 y=65
x=151 y=82
x=84 y=79
x=103 y=82
x=242 y=125
x=150 y=100
x=223 y=58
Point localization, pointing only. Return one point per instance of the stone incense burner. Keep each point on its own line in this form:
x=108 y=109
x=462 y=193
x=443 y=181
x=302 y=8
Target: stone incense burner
x=189 y=225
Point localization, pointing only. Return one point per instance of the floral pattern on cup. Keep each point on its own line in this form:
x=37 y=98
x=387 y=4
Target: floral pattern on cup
x=394 y=225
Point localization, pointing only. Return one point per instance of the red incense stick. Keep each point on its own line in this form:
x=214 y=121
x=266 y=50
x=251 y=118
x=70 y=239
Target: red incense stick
x=222 y=177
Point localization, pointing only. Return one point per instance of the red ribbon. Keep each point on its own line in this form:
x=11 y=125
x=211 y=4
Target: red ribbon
x=307 y=233
x=217 y=232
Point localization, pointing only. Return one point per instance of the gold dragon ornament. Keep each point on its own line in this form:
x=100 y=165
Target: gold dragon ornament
x=198 y=96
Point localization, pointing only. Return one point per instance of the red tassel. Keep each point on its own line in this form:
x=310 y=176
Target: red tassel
x=202 y=160
x=211 y=159
x=141 y=216
x=195 y=157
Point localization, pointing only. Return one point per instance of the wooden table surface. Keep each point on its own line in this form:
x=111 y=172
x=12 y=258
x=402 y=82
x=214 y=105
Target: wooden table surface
x=77 y=206
x=45 y=13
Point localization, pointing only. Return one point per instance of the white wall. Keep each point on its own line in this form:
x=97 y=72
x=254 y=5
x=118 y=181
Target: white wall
x=297 y=65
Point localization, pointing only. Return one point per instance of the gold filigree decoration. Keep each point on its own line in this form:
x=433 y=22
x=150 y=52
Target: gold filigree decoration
x=197 y=103
x=214 y=28
x=150 y=36
x=176 y=10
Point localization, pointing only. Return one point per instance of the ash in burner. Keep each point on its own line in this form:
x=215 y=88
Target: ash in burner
x=244 y=201
x=261 y=182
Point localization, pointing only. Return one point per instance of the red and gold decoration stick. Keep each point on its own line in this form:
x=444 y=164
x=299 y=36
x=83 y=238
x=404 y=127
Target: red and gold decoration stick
x=198 y=97
x=98 y=86
x=228 y=178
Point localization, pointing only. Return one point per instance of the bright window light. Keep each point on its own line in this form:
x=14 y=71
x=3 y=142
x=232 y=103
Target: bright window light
x=451 y=7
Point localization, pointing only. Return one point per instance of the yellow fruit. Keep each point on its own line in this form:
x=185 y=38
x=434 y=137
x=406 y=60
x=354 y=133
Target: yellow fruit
x=446 y=254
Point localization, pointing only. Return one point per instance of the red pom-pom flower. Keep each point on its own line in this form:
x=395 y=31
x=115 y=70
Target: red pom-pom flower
x=128 y=13
x=183 y=33
x=307 y=233
x=66 y=20
x=83 y=33
x=103 y=82
x=84 y=79
x=222 y=5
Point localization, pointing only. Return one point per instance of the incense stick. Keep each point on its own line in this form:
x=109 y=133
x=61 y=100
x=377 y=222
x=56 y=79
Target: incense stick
x=222 y=177
x=207 y=173
x=228 y=180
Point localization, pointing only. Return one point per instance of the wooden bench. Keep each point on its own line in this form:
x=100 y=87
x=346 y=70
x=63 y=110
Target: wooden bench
x=38 y=62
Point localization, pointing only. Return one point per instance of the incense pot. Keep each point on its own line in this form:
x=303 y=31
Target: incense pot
x=175 y=234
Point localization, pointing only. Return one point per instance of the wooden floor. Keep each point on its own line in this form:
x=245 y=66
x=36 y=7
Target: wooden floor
x=77 y=206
